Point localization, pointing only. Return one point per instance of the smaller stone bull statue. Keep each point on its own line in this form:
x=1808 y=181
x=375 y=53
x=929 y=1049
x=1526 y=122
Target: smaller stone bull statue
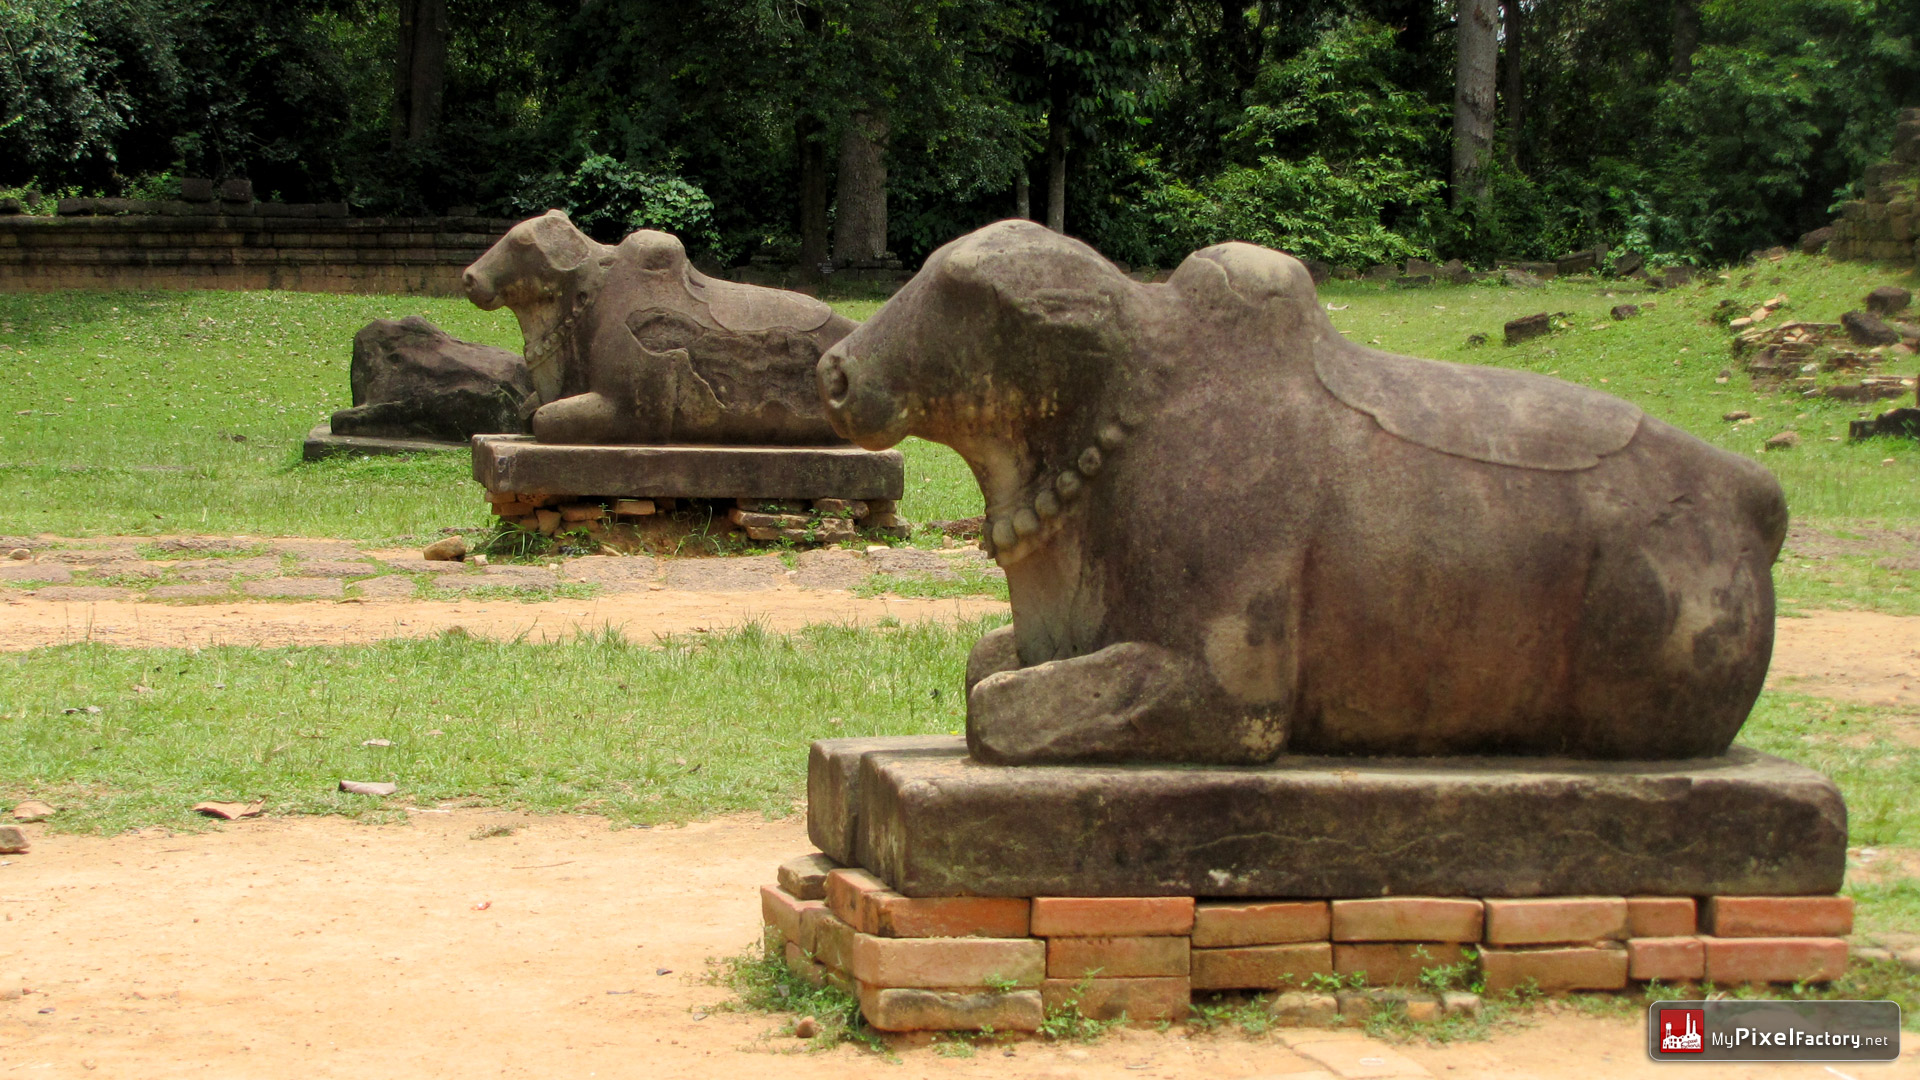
x=628 y=343
x=1229 y=532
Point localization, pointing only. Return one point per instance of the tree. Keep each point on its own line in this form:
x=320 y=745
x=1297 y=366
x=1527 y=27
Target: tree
x=1473 y=99
x=419 y=70
x=1513 y=73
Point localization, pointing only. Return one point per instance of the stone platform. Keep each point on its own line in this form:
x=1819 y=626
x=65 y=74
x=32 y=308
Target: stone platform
x=516 y=463
x=321 y=443
x=928 y=821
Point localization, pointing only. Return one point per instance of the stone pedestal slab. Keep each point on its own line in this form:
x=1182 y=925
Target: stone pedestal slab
x=930 y=821
x=516 y=463
x=321 y=442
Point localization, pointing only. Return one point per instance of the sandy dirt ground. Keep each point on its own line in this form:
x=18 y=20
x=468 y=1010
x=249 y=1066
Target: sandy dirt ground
x=321 y=948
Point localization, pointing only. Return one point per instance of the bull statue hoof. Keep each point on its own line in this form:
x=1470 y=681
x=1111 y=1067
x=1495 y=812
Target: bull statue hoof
x=628 y=343
x=1230 y=533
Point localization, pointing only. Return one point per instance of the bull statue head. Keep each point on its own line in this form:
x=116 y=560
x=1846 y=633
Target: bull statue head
x=548 y=272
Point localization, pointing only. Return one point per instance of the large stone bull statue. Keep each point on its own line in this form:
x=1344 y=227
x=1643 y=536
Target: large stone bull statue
x=628 y=343
x=1230 y=533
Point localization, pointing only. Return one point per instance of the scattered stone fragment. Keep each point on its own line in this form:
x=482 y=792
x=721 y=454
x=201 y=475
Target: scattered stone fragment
x=19 y=554
x=1869 y=330
x=1625 y=311
x=1474 y=341
x=1737 y=414
x=376 y=742
x=366 y=787
x=452 y=549
x=1295 y=1007
x=1888 y=301
x=229 y=811
x=32 y=810
x=1786 y=440
x=12 y=840
x=806 y=1028
x=1520 y=279
x=633 y=507
x=1528 y=327
x=1460 y=1003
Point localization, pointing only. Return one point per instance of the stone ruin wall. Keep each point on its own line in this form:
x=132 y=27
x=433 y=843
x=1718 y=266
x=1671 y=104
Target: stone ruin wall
x=1885 y=226
x=236 y=244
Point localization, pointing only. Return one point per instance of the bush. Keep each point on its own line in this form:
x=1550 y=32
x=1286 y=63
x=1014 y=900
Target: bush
x=608 y=199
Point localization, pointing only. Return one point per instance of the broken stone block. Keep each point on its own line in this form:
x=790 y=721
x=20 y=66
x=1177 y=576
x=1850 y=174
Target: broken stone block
x=1888 y=301
x=805 y=877
x=1528 y=327
x=1868 y=330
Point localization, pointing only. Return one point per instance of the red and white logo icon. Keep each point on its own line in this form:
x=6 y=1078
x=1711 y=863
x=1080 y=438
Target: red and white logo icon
x=1681 y=1031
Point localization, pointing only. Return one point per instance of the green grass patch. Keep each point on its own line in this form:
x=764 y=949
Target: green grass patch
x=640 y=732
x=971 y=582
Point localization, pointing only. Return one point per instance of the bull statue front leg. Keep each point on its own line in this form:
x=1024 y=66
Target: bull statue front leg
x=1128 y=702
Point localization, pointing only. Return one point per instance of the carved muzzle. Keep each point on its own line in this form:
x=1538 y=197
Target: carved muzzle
x=859 y=404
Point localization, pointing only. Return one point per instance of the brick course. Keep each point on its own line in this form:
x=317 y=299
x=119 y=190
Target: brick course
x=1408 y=918
x=1261 y=967
x=941 y=963
x=1141 y=1000
x=1779 y=916
x=1116 y=957
x=1219 y=924
x=865 y=903
x=1556 y=920
x=1781 y=959
x=910 y=1009
x=1554 y=968
x=1661 y=916
x=1112 y=916
x=1669 y=959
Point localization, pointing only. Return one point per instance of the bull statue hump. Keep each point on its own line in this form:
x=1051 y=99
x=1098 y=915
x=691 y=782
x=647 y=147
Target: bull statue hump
x=1230 y=533
x=628 y=343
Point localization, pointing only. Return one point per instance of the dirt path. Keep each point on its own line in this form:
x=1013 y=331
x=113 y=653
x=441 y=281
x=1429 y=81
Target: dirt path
x=318 y=947
x=26 y=623
x=1856 y=655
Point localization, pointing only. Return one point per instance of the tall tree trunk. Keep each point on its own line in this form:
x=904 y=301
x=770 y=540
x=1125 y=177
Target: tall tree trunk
x=810 y=135
x=1473 y=99
x=419 y=71
x=1513 y=75
x=1686 y=37
x=1057 y=170
x=860 y=199
x=1022 y=195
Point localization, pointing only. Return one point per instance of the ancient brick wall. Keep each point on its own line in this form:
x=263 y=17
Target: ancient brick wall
x=128 y=244
x=1885 y=226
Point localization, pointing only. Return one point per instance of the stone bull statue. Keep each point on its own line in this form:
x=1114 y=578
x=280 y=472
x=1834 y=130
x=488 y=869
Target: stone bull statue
x=1231 y=533
x=628 y=343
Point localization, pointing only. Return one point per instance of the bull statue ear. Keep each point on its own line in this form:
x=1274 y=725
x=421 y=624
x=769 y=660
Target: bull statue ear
x=565 y=247
x=1243 y=274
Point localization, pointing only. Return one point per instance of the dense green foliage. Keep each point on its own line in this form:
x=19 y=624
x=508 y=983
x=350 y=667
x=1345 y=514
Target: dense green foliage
x=1697 y=129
